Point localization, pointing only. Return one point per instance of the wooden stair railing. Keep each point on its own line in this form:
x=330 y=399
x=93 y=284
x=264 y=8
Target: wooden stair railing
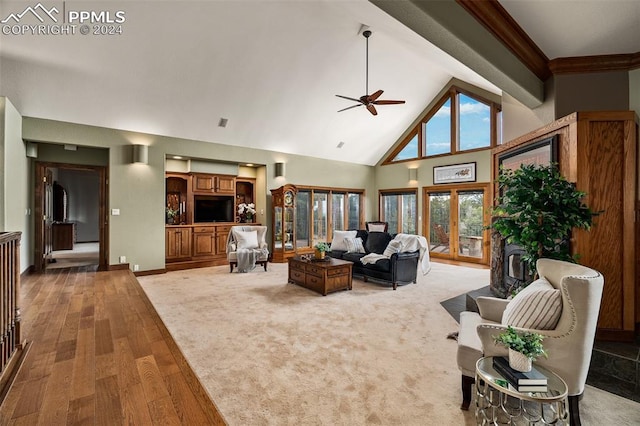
x=11 y=346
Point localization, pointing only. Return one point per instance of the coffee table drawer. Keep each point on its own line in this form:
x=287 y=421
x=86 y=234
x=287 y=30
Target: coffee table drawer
x=297 y=275
x=344 y=270
x=315 y=270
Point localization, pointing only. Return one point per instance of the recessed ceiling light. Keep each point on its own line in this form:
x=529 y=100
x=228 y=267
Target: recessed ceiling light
x=340 y=145
x=177 y=157
x=249 y=164
x=223 y=122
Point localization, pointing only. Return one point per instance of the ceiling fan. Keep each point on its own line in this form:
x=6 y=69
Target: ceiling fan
x=368 y=101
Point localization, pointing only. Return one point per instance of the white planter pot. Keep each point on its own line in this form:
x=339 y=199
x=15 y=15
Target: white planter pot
x=518 y=361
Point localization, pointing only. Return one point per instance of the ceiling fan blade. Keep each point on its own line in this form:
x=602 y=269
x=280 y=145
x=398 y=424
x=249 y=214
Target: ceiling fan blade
x=375 y=95
x=382 y=102
x=372 y=109
x=348 y=98
x=353 y=106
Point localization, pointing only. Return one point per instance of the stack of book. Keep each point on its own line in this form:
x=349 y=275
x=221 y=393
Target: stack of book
x=531 y=381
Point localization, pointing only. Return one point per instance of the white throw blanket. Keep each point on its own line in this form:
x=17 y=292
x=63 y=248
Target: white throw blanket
x=247 y=259
x=408 y=243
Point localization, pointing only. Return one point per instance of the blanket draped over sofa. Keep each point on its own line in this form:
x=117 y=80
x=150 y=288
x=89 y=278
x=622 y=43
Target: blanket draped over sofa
x=406 y=243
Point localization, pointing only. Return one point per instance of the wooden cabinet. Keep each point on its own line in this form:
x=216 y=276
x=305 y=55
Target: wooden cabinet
x=177 y=189
x=178 y=242
x=64 y=236
x=599 y=152
x=204 y=241
x=222 y=234
x=283 y=216
x=213 y=184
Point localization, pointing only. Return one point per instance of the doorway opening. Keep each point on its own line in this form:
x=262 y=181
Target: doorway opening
x=70 y=216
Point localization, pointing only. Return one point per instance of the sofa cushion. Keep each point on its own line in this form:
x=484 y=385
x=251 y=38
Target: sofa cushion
x=382 y=265
x=353 y=257
x=336 y=254
x=338 y=239
x=537 y=306
x=354 y=245
x=377 y=242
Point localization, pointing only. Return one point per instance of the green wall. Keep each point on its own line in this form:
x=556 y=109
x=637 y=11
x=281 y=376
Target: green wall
x=137 y=190
x=15 y=181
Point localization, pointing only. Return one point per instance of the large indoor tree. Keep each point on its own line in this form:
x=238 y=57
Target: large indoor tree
x=537 y=209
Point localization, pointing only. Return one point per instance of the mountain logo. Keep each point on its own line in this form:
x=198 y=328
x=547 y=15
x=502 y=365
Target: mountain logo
x=39 y=11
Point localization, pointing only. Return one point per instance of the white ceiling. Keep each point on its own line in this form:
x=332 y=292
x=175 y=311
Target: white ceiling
x=272 y=68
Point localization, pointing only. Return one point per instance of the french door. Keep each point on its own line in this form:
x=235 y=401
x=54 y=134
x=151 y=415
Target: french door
x=455 y=222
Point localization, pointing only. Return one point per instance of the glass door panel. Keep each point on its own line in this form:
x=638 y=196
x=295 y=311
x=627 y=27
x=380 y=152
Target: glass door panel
x=439 y=222
x=470 y=223
x=337 y=212
x=303 y=213
x=354 y=211
x=319 y=217
x=277 y=223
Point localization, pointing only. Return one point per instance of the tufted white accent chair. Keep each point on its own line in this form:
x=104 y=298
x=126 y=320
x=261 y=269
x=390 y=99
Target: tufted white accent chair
x=569 y=344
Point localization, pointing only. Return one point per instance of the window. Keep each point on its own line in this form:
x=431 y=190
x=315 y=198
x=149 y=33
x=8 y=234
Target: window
x=320 y=211
x=438 y=131
x=399 y=208
x=410 y=150
x=460 y=121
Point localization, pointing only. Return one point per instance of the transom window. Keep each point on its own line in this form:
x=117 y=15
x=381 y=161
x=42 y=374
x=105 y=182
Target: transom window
x=460 y=121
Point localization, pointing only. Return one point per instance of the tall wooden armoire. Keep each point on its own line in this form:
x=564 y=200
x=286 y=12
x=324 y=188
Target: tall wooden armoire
x=599 y=152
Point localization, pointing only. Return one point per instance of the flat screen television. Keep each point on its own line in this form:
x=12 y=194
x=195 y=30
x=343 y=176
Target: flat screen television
x=213 y=209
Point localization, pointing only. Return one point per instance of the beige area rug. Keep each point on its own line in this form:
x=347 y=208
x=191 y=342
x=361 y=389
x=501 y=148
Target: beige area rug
x=272 y=353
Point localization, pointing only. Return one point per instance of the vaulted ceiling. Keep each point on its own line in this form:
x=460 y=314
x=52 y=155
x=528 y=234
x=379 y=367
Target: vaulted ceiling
x=272 y=68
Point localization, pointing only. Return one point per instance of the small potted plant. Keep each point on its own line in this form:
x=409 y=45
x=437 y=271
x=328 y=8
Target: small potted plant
x=523 y=347
x=321 y=248
x=171 y=215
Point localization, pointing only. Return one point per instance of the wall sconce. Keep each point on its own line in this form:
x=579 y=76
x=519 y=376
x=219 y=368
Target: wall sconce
x=280 y=170
x=32 y=150
x=141 y=154
x=413 y=175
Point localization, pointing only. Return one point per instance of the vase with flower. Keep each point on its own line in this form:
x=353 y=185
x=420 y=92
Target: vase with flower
x=246 y=212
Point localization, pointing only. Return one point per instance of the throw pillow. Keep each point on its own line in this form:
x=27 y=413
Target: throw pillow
x=246 y=239
x=537 y=306
x=377 y=242
x=354 y=245
x=394 y=246
x=338 y=239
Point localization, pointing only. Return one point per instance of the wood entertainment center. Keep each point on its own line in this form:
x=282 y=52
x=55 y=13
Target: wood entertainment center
x=205 y=207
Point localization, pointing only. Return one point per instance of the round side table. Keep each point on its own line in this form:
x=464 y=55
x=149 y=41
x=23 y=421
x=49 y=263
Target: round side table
x=498 y=403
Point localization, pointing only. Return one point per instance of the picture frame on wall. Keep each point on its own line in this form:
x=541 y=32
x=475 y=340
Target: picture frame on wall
x=454 y=173
x=540 y=153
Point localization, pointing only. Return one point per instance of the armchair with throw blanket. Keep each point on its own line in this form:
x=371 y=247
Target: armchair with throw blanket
x=246 y=247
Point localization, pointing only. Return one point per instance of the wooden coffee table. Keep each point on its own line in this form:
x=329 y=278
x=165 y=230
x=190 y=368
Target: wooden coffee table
x=321 y=276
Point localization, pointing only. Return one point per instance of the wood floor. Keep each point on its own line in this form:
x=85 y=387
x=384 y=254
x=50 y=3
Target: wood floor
x=100 y=355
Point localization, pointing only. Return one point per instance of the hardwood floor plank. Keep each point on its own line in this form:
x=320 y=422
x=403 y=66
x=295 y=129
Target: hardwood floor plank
x=162 y=412
x=82 y=411
x=135 y=410
x=151 y=379
x=55 y=404
x=108 y=408
x=100 y=355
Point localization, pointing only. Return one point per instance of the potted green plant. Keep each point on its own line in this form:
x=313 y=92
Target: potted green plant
x=171 y=215
x=523 y=347
x=320 y=250
x=537 y=209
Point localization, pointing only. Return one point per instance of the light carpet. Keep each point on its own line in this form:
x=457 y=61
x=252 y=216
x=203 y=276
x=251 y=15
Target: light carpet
x=272 y=353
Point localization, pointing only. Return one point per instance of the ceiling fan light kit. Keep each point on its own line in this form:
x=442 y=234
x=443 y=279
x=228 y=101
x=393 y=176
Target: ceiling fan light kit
x=368 y=101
